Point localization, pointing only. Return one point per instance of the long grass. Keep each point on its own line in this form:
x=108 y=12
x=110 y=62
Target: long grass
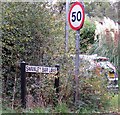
x=114 y=103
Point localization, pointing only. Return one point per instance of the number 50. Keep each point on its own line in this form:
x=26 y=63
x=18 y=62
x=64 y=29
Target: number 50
x=76 y=15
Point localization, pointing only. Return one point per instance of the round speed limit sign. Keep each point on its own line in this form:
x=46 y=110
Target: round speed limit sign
x=76 y=16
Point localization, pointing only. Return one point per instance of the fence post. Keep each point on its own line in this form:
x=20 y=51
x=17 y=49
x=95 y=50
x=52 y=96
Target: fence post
x=23 y=85
x=56 y=85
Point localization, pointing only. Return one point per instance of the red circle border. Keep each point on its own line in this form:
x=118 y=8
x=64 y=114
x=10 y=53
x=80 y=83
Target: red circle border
x=82 y=22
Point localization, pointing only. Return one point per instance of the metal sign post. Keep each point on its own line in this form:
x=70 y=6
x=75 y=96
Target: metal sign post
x=66 y=27
x=76 y=20
x=77 y=64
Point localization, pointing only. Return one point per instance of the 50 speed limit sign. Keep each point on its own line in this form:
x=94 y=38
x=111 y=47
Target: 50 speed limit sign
x=76 y=16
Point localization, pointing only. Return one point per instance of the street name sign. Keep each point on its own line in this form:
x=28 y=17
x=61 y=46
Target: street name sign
x=40 y=69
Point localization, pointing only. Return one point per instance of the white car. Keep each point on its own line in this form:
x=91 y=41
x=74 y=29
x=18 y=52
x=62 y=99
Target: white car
x=102 y=63
x=111 y=72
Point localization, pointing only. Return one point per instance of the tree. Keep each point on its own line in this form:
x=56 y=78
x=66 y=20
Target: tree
x=102 y=9
x=87 y=35
x=25 y=36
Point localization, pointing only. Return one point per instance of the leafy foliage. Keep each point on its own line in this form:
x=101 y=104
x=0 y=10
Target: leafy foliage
x=106 y=40
x=25 y=31
x=87 y=35
x=61 y=108
x=102 y=9
x=34 y=32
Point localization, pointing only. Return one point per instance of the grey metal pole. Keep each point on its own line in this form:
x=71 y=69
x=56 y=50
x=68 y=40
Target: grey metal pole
x=66 y=27
x=77 y=62
x=118 y=64
x=77 y=40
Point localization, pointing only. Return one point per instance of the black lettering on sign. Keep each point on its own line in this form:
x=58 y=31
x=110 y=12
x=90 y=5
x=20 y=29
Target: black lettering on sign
x=40 y=69
x=31 y=68
x=76 y=16
x=45 y=70
x=26 y=68
x=37 y=69
x=53 y=70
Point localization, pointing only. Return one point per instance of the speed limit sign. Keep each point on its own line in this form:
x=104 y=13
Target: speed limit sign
x=76 y=16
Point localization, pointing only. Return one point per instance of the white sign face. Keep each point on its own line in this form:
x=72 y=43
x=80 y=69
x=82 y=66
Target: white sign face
x=40 y=69
x=76 y=16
